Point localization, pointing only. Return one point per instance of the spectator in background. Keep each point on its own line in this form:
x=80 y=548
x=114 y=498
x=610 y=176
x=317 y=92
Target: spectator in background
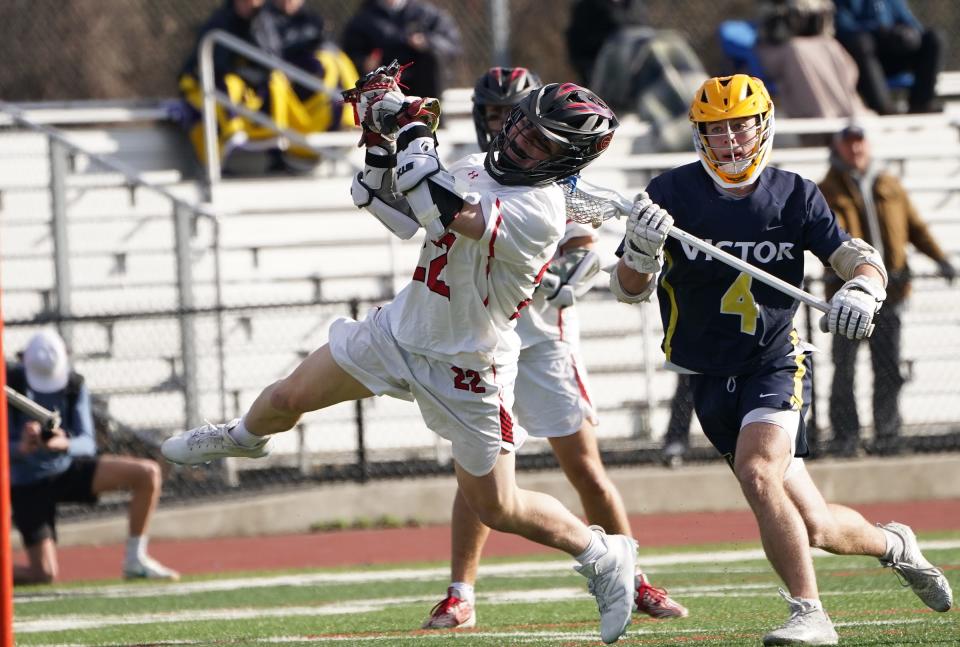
x=50 y=468
x=874 y=206
x=813 y=74
x=285 y=29
x=409 y=31
x=885 y=40
x=592 y=22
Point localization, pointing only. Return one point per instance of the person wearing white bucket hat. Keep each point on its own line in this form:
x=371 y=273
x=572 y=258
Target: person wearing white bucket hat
x=48 y=467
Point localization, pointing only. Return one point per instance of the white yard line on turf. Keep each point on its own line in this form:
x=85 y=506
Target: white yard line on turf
x=515 y=569
x=537 y=596
x=514 y=637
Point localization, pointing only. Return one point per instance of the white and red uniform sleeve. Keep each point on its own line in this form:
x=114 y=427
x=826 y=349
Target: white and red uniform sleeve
x=465 y=296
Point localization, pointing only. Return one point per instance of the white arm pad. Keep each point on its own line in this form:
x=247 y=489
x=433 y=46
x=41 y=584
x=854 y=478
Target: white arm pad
x=433 y=194
x=625 y=297
x=401 y=224
x=852 y=253
x=378 y=168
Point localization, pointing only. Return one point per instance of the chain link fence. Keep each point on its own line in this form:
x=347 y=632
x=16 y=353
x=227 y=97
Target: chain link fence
x=122 y=49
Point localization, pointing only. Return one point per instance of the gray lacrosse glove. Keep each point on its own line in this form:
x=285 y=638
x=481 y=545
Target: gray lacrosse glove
x=853 y=308
x=646 y=234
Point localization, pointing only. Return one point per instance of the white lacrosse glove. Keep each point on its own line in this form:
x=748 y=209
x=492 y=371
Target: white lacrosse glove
x=378 y=110
x=559 y=295
x=853 y=308
x=646 y=234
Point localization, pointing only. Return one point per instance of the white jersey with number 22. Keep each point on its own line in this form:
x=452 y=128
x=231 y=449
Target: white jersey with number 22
x=466 y=295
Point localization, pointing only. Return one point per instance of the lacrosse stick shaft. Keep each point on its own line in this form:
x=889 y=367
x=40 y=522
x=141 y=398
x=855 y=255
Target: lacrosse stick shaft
x=764 y=277
x=624 y=207
x=47 y=419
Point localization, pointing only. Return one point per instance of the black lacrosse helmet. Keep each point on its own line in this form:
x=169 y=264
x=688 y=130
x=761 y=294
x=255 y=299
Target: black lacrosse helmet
x=568 y=115
x=499 y=86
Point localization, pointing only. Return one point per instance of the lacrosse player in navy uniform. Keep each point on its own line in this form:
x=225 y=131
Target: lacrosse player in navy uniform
x=448 y=340
x=750 y=371
x=552 y=395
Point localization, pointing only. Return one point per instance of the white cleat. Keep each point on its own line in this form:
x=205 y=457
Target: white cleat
x=808 y=624
x=209 y=442
x=147 y=568
x=612 y=582
x=926 y=580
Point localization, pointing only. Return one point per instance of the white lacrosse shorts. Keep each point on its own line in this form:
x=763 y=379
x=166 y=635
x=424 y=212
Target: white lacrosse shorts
x=470 y=408
x=552 y=394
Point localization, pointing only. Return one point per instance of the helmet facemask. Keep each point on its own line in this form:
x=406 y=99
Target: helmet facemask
x=499 y=89
x=734 y=147
x=733 y=124
x=553 y=133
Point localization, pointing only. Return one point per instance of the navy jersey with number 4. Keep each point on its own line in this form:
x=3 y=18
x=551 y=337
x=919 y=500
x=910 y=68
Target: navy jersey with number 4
x=718 y=320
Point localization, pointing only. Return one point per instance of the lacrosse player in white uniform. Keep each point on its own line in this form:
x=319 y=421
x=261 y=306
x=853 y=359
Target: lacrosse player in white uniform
x=448 y=340
x=552 y=398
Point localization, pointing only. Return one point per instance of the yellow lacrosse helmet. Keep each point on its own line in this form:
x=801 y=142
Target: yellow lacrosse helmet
x=735 y=152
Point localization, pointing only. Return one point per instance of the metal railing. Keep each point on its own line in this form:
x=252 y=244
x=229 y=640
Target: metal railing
x=212 y=96
x=61 y=148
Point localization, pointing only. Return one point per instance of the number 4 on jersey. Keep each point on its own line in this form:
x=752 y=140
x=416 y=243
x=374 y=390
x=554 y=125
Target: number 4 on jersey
x=738 y=300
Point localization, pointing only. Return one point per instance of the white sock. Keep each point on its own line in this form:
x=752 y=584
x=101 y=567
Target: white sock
x=594 y=550
x=895 y=546
x=243 y=437
x=463 y=591
x=136 y=549
x=814 y=602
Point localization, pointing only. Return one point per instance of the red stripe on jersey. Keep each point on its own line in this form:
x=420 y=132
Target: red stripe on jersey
x=543 y=270
x=506 y=421
x=493 y=239
x=420 y=274
x=496 y=227
x=506 y=425
x=560 y=323
x=580 y=384
x=520 y=306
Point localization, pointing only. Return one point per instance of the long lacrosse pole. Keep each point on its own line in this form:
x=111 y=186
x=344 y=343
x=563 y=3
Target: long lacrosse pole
x=764 y=277
x=624 y=207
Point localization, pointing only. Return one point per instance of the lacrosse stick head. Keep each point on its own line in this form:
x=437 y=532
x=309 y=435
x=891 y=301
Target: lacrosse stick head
x=385 y=78
x=368 y=89
x=590 y=204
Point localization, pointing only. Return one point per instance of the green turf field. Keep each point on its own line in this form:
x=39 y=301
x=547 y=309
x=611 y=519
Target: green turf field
x=730 y=591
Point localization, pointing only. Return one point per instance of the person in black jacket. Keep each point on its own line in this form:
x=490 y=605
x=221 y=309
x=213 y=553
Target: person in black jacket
x=885 y=39
x=285 y=29
x=409 y=31
x=592 y=22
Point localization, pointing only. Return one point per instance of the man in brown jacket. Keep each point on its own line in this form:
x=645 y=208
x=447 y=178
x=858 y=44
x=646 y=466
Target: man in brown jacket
x=874 y=206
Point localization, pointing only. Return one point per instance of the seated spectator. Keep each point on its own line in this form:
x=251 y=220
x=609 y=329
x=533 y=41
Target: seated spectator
x=285 y=29
x=885 y=40
x=48 y=467
x=592 y=22
x=873 y=205
x=813 y=74
x=409 y=31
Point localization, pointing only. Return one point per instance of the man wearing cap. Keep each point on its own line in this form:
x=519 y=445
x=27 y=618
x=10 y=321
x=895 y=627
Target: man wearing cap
x=61 y=465
x=873 y=205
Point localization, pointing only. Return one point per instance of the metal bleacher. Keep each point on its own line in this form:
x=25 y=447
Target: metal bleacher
x=299 y=241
